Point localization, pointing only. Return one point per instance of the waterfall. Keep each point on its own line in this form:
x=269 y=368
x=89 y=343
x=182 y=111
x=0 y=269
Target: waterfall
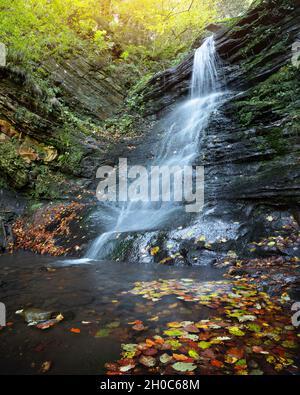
x=205 y=78
x=179 y=146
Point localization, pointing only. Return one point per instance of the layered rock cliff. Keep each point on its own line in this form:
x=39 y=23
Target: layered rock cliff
x=252 y=146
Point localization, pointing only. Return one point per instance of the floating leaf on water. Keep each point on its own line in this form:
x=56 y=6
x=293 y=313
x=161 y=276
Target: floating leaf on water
x=174 y=324
x=191 y=329
x=222 y=338
x=187 y=280
x=131 y=347
x=193 y=354
x=175 y=344
x=173 y=332
x=246 y=317
x=230 y=359
x=289 y=344
x=235 y=352
x=165 y=358
x=104 y=332
x=154 y=318
x=217 y=363
x=147 y=361
x=259 y=350
x=254 y=327
x=150 y=342
x=204 y=345
x=234 y=330
x=139 y=327
x=150 y=351
x=126 y=368
x=190 y=337
x=184 y=366
x=75 y=330
x=241 y=362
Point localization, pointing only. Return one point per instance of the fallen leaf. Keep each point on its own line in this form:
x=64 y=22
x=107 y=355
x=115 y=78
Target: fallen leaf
x=104 y=332
x=46 y=366
x=165 y=358
x=234 y=330
x=216 y=363
x=204 y=345
x=75 y=330
x=147 y=361
x=184 y=366
x=180 y=357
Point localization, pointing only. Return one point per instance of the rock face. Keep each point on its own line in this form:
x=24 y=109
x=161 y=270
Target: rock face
x=251 y=147
x=88 y=89
x=51 y=137
x=53 y=130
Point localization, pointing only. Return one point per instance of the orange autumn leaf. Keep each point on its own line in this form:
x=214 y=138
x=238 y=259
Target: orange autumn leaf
x=204 y=336
x=236 y=352
x=113 y=373
x=180 y=357
x=150 y=342
x=75 y=330
x=216 y=363
x=139 y=327
x=136 y=322
x=174 y=324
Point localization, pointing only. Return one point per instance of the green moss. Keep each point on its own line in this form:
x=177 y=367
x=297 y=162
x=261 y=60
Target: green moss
x=34 y=206
x=124 y=124
x=72 y=151
x=266 y=57
x=13 y=168
x=277 y=96
x=48 y=185
x=3 y=183
x=275 y=140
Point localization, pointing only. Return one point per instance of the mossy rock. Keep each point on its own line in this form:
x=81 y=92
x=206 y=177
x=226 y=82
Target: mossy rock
x=14 y=169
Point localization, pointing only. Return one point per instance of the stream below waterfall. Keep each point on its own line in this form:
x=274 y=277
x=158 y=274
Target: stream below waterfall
x=83 y=293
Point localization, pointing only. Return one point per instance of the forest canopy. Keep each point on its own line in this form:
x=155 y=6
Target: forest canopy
x=126 y=29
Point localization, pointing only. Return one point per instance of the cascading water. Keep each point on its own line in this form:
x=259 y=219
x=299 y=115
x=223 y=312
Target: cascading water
x=179 y=146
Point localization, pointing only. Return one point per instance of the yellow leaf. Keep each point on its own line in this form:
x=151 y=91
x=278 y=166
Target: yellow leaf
x=154 y=251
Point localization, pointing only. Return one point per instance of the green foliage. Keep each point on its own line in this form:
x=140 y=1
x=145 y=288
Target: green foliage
x=121 y=125
x=48 y=184
x=148 y=30
x=12 y=166
x=72 y=151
